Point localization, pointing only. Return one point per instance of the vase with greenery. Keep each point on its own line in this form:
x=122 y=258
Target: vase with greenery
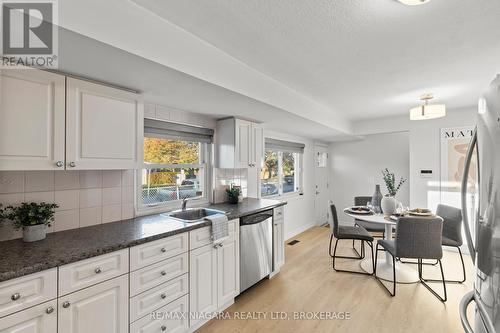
x=32 y=217
x=389 y=202
x=232 y=194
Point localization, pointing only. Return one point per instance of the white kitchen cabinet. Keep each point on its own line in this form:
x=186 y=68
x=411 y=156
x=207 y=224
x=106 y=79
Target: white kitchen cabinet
x=240 y=144
x=102 y=308
x=38 y=319
x=104 y=127
x=278 y=239
x=228 y=271
x=202 y=283
x=32 y=120
x=160 y=321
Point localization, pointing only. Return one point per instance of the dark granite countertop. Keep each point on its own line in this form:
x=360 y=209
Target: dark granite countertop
x=59 y=248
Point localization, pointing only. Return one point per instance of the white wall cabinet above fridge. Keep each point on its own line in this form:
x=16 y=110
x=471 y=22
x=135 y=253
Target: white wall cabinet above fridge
x=240 y=144
x=52 y=122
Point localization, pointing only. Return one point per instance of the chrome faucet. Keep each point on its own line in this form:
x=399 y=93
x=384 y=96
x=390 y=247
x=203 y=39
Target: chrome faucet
x=184 y=203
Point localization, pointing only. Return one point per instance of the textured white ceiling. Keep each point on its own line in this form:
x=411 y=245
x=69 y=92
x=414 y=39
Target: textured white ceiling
x=363 y=58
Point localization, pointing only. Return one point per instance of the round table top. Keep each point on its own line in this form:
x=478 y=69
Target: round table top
x=375 y=218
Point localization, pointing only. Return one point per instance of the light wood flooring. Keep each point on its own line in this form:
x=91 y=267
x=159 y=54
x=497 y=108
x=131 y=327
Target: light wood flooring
x=308 y=283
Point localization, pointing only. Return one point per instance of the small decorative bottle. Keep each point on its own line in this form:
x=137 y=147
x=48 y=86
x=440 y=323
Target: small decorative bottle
x=376 y=199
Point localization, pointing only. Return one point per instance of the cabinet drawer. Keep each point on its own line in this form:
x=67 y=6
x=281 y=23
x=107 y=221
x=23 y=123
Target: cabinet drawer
x=153 y=299
x=152 y=252
x=26 y=291
x=85 y=273
x=38 y=319
x=203 y=236
x=177 y=323
x=151 y=276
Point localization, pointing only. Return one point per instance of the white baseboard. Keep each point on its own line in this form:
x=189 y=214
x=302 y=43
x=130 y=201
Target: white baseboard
x=299 y=230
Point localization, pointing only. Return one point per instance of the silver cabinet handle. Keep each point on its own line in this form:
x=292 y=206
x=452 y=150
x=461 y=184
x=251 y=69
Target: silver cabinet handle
x=163 y=273
x=216 y=246
x=49 y=310
x=98 y=270
x=163 y=296
x=72 y=164
x=163 y=328
x=66 y=304
x=220 y=245
x=163 y=250
x=15 y=297
x=59 y=164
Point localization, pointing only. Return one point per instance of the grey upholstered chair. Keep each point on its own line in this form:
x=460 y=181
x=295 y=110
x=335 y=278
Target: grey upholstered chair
x=452 y=232
x=416 y=238
x=342 y=232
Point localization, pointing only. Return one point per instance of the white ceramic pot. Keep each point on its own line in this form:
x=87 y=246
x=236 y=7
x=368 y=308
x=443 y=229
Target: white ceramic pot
x=388 y=205
x=34 y=233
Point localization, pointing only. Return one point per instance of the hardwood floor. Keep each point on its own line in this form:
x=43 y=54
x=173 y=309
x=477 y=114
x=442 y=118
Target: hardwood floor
x=308 y=283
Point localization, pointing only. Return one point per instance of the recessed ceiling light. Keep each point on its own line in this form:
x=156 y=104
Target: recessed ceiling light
x=413 y=2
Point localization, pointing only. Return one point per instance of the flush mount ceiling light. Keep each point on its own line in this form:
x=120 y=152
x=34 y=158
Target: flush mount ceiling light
x=413 y=2
x=427 y=111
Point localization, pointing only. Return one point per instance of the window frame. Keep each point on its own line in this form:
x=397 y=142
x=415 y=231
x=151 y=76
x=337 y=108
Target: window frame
x=298 y=175
x=205 y=163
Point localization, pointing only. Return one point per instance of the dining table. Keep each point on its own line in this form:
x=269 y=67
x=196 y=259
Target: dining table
x=405 y=273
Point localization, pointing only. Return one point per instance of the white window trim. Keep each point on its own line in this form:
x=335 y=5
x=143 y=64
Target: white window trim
x=298 y=173
x=205 y=163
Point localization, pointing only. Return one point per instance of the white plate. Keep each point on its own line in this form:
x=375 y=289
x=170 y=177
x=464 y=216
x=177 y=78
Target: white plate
x=421 y=214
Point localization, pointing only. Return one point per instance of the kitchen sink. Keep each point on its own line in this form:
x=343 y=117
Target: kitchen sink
x=191 y=215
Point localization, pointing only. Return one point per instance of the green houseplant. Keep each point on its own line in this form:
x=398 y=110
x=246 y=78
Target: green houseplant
x=32 y=217
x=389 y=202
x=233 y=194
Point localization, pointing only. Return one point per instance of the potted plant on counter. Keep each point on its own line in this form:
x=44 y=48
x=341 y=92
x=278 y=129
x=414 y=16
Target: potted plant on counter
x=232 y=194
x=389 y=202
x=32 y=217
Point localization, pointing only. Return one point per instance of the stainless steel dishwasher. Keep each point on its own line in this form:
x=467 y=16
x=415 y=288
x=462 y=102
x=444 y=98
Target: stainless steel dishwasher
x=256 y=248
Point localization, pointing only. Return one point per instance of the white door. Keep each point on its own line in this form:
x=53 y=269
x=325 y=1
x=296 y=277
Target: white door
x=38 y=319
x=102 y=308
x=104 y=127
x=202 y=282
x=242 y=147
x=321 y=184
x=228 y=270
x=31 y=120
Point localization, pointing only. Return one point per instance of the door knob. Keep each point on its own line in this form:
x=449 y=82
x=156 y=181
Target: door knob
x=98 y=270
x=163 y=296
x=163 y=250
x=72 y=164
x=49 y=310
x=163 y=328
x=15 y=297
x=163 y=273
x=59 y=164
x=66 y=304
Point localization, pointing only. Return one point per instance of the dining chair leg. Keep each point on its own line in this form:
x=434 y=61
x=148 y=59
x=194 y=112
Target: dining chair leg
x=330 y=247
x=346 y=257
x=393 y=293
x=423 y=281
x=361 y=254
x=463 y=271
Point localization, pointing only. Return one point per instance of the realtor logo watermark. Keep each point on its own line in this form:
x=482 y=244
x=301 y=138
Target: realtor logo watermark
x=29 y=35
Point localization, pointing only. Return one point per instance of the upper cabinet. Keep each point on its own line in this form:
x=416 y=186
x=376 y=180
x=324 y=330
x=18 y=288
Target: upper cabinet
x=51 y=122
x=32 y=116
x=240 y=144
x=104 y=127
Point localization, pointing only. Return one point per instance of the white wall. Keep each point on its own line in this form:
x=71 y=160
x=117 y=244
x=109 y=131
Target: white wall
x=424 y=145
x=355 y=168
x=299 y=212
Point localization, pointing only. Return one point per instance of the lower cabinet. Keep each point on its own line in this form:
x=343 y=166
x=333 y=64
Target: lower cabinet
x=214 y=276
x=278 y=239
x=102 y=308
x=38 y=319
x=170 y=318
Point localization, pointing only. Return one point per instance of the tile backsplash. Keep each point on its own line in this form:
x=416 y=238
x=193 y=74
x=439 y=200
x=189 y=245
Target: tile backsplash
x=225 y=177
x=85 y=198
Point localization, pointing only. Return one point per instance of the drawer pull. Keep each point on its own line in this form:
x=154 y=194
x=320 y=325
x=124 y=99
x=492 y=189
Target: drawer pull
x=98 y=270
x=66 y=304
x=163 y=296
x=49 y=310
x=163 y=273
x=163 y=250
x=15 y=297
x=163 y=328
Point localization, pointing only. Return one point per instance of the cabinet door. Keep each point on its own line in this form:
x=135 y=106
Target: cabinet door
x=102 y=308
x=172 y=318
x=38 y=319
x=243 y=134
x=202 y=282
x=104 y=127
x=31 y=120
x=257 y=146
x=228 y=270
x=279 y=245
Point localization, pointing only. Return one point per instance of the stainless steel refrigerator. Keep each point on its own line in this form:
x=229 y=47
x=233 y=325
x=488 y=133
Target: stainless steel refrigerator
x=482 y=229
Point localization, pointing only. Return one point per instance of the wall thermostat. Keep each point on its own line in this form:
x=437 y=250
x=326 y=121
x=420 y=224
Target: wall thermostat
x=426 y=173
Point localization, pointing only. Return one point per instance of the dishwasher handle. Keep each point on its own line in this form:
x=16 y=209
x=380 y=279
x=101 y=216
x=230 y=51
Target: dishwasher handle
x=254 y=219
